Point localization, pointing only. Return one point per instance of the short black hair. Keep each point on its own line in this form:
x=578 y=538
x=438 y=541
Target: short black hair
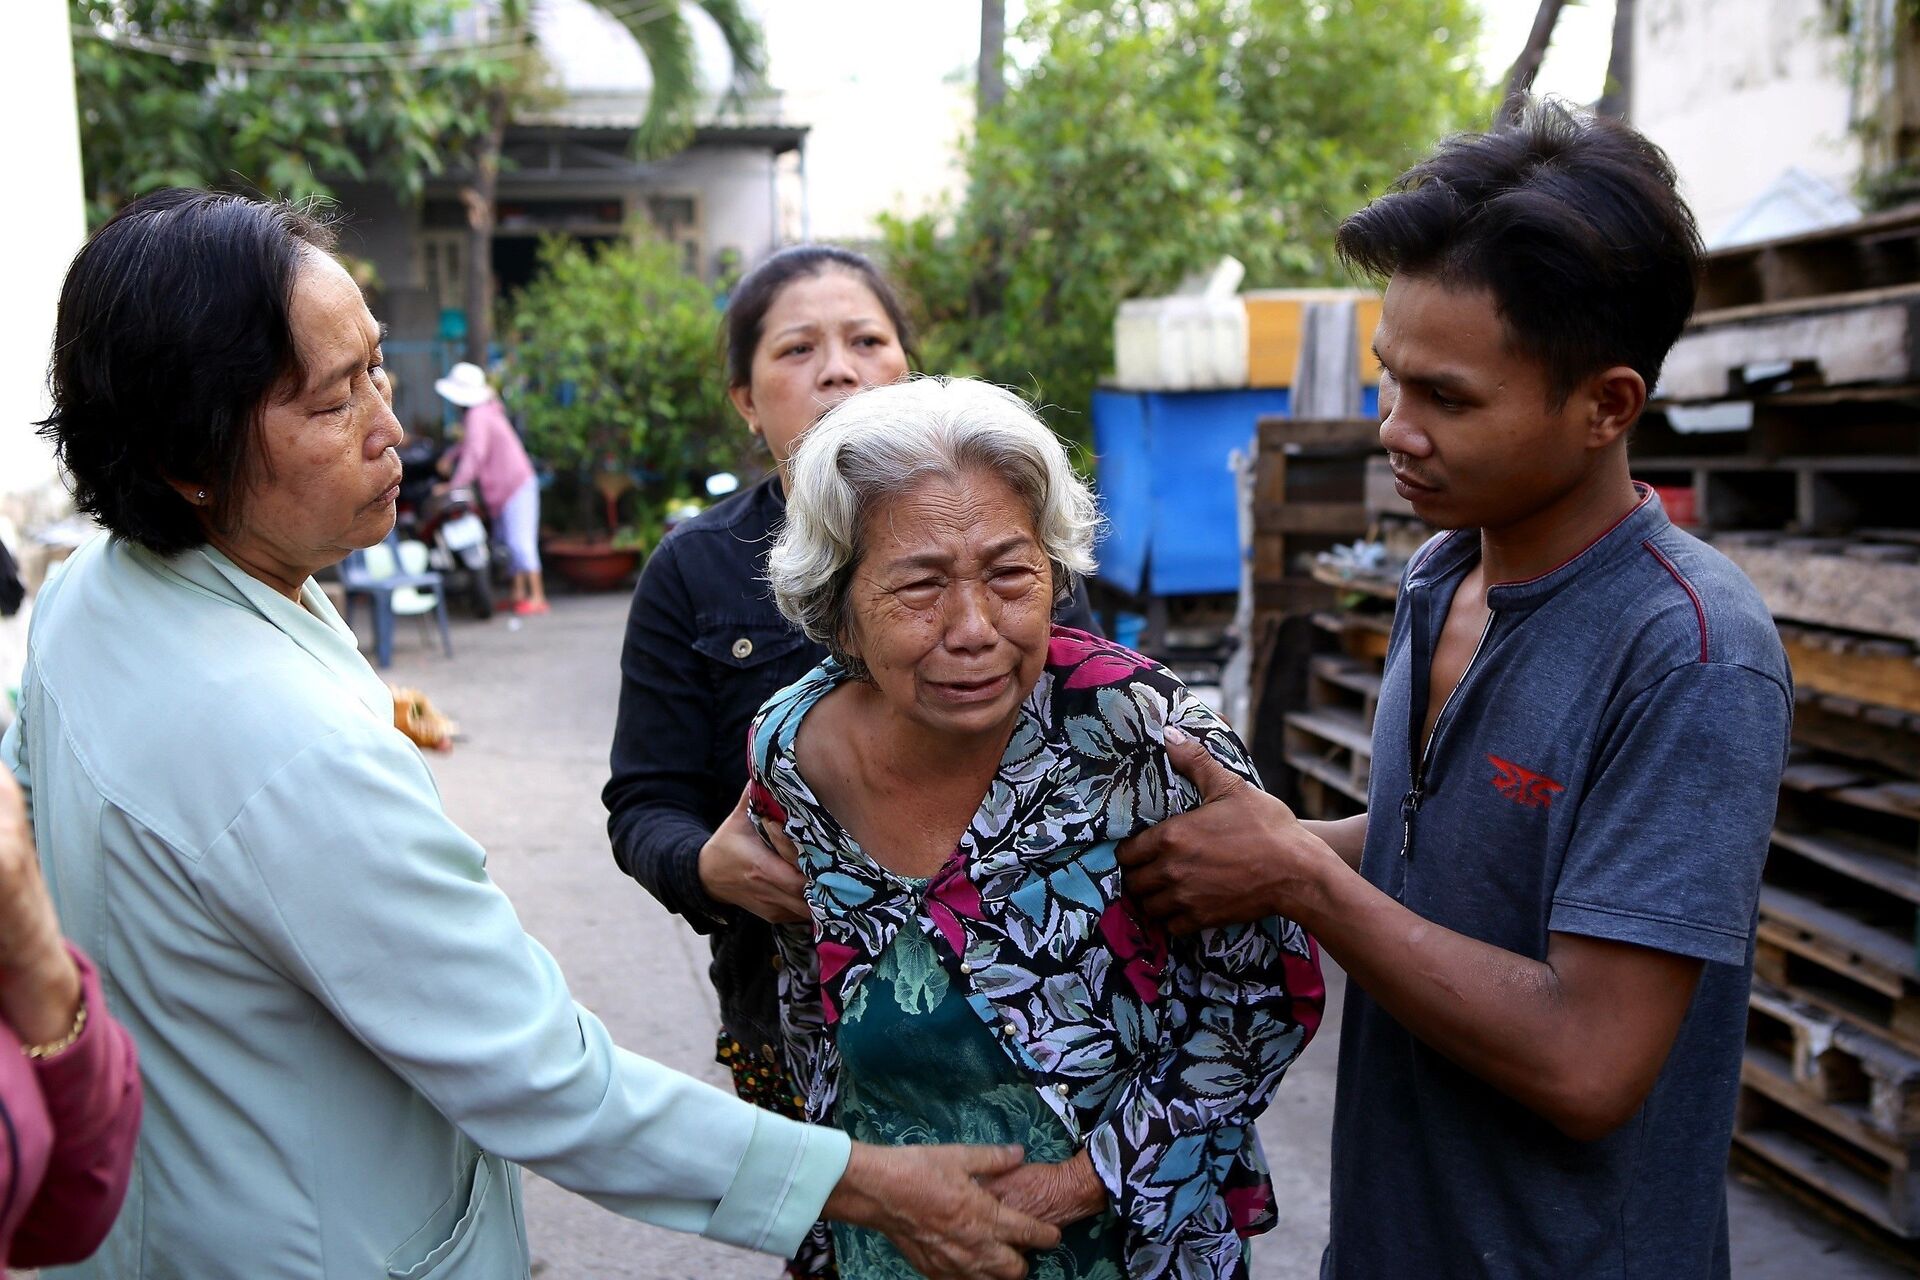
x=747 y=307
x=1571 y=221
x=175 y=326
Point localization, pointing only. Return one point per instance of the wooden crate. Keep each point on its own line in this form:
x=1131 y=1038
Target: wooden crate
x=1832 y=340
x=1826 y=495
x=1864 y=669
x=1808 y=422
x=1308 y=496
x=1872 y=1084
x=1329 y=744
x=1330 y=749
x=1868 y=584
x=1823 y=1150
x=1873 y=252
x=1846 y=842
x=1827 y=958
x=1309 y=493
x=1887 y=737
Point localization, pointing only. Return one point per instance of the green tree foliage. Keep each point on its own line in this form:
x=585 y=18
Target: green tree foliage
x=282 y=95
x=612 y=368
x=1145 y=139
x=257 y=93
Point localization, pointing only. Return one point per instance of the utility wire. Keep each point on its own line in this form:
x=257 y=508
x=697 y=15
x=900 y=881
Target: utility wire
x=420 y=53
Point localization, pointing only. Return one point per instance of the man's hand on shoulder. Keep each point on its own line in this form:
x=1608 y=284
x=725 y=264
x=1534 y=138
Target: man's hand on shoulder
x=1240 y=856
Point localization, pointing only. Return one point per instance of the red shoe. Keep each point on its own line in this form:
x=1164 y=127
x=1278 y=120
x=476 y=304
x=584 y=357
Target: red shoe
x=529 y=608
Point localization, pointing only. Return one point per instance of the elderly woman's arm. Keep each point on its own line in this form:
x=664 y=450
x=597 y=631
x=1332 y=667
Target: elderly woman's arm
x=93 y=1098
x=1249 y=997
x=91 y=1087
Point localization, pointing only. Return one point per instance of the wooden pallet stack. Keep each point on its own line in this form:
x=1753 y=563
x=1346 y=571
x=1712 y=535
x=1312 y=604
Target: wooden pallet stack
x=1309 y=495
x=1805 y=353
x=1328 y=731
x=1327 y=720
x=1309 y=490
x=1836 y=968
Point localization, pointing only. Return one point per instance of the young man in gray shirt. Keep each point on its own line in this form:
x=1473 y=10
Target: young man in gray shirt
x=1547 y=913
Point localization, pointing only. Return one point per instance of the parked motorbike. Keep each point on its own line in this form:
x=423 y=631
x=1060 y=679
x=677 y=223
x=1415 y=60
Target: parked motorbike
x=459 y=546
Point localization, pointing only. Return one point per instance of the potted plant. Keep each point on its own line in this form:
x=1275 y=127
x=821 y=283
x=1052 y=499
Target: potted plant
x=612 y=370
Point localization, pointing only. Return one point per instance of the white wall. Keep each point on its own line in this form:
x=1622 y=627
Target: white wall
x=42 y=223
x=1737 y=91
x=738 y=199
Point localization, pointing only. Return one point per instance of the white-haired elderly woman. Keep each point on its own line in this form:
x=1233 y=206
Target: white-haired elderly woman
x=952 y=780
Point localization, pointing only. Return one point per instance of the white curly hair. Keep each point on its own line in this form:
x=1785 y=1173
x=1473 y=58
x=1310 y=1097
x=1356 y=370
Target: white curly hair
x=884 y=441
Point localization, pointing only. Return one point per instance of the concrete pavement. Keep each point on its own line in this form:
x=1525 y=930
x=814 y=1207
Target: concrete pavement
x=536 y=703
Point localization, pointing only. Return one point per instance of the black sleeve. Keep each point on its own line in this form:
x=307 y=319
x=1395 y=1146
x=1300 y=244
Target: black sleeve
x=661 y=748
x=12 y=591
x=1077 y=612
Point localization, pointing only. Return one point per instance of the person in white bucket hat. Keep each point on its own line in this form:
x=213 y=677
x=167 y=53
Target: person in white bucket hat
x=491 y=455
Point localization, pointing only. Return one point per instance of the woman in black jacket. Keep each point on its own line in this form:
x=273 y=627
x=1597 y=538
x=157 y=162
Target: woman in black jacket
x=705 y=645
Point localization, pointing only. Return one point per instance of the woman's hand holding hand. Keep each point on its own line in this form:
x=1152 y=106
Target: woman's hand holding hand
x=737 y=867
x=930 y=1201
x=1057 y=1193
x=39 y=982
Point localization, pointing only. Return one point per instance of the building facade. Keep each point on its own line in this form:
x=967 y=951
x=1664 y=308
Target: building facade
x=1756 y=100
x=726 y=201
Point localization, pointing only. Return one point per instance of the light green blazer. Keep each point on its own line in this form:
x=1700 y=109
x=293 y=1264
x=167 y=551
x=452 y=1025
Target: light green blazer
x=348 y=1041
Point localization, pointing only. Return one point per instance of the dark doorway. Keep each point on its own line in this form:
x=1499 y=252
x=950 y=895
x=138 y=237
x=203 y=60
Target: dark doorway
x=516 y=260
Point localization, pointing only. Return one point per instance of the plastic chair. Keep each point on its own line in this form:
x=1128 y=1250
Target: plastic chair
x=393 y=578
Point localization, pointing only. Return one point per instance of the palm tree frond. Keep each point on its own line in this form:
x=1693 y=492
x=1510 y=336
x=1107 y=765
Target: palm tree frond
x=744 y=44
x=667 y=43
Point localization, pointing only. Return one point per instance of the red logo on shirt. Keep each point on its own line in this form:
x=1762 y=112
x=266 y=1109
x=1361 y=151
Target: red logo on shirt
x=1524 y=787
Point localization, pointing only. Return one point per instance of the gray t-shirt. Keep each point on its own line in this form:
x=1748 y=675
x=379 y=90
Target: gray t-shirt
x=1608 y=767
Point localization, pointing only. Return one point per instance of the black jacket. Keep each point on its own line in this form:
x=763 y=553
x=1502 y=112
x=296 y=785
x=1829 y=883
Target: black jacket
x=705 y=647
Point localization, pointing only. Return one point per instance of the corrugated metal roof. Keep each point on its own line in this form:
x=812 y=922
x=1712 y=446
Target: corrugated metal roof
x=620 y=118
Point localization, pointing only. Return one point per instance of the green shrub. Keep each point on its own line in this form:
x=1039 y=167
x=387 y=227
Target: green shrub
x=613 y=370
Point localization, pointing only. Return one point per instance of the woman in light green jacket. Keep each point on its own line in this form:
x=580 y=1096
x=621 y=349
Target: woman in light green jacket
x=348 y=1042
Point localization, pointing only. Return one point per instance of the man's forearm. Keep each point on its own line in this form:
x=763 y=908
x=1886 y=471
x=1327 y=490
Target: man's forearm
x=1498 y=1015
x=1345 y=836
x=1579 y=1037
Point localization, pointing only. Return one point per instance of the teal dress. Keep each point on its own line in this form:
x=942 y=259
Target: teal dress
x=917 y=1065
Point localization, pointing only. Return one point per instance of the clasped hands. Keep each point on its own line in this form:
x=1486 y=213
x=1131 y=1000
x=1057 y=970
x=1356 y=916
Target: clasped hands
x=964 y=1213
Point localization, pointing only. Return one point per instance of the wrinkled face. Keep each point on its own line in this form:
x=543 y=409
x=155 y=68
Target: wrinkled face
x=825 y=337
x=328 y=473
x=951 y=604
x=1467 y=422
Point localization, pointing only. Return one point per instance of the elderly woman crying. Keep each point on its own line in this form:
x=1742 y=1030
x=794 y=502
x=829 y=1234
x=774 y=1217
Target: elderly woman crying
x=952 y=780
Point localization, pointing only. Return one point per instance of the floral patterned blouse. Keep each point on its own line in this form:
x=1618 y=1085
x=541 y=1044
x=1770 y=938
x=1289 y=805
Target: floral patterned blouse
x=1156 y=1052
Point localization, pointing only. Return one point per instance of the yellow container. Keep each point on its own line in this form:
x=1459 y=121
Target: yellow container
x=1276 y=319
